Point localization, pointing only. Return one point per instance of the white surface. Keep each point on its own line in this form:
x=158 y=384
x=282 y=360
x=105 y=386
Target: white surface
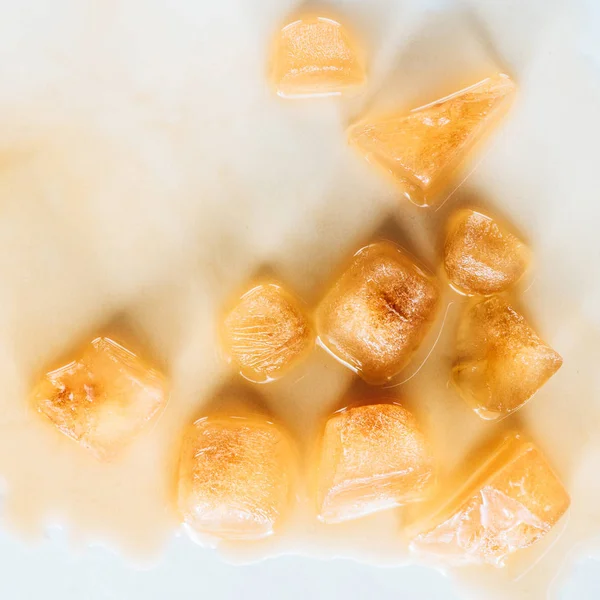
x=187 y=573
x=131 y=69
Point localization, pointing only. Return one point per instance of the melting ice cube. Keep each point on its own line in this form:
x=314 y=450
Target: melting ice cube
x=512 y=501
x=102 y=399
x=234 y=477
x=373 y=458
x=378 y=312
x=501 y=361
x=481 y=257
x=315 y=56
x=266 y=333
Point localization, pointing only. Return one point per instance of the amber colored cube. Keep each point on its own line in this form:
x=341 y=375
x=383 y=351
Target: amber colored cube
x=422 y=149
x=378 y=312
x=102 y=399
x=315 y=56
x=510 y=502
x=372 y=458
x=235 y=477
x=266 y=333
x=501 y=361
x=481 y=257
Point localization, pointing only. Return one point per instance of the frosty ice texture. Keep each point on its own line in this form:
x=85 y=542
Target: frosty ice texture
x=501 y=361
x=373 y=458
x=315 y=56
x=266 y=333
x=422 y=148
x=481 y=257
x=377 y=313
x=511 y=501
x=234 y=477
x=102 y=399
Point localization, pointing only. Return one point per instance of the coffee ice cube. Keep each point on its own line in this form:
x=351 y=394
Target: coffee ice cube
x=373 y=458
x=266 y=333
x=103 y=398
x=509 y=503
x=422 y=149
x=501 y=361
x=315 y=56
x=234 y=477
x=378 y=312
x=481 y=257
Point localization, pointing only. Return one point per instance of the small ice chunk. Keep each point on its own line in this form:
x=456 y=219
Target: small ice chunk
x=422 y=149
x=315 y=56
x=103 y=399
x=373 y=458
x=378 y=312
x=234 y=477
x=481 y=257
x=266 y=333
x=509 y=503
x=501 y=361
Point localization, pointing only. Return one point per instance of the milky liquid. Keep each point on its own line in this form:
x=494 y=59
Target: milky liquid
x=148 y=172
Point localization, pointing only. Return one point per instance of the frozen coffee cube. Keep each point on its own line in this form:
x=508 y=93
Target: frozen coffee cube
x=315 y=56
x=266 y=333
x=509 y=503
x=421 y=149
x=372 y=458
x=102 y=399
x=481 y=257
x=501 y=361
x=234 y=477
x=378 y=312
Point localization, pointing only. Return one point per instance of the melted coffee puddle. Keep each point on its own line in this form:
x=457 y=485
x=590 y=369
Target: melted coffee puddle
x=137 y=202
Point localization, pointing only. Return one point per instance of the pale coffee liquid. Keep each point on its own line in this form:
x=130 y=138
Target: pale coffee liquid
x=149 y=172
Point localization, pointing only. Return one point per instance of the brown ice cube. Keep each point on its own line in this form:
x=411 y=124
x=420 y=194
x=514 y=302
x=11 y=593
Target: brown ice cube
x=103 y=398
x=315 y=56
x=266 y=333
x=422 y=149
x=510 y=502
x=501 y=361
x=235 y=477
x=372 y=458
x=481 y=257
x=378 y=312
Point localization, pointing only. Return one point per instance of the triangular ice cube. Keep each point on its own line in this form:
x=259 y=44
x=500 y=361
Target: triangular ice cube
x=422 y=148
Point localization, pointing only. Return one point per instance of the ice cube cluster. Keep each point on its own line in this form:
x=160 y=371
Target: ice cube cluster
x=238 y=469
